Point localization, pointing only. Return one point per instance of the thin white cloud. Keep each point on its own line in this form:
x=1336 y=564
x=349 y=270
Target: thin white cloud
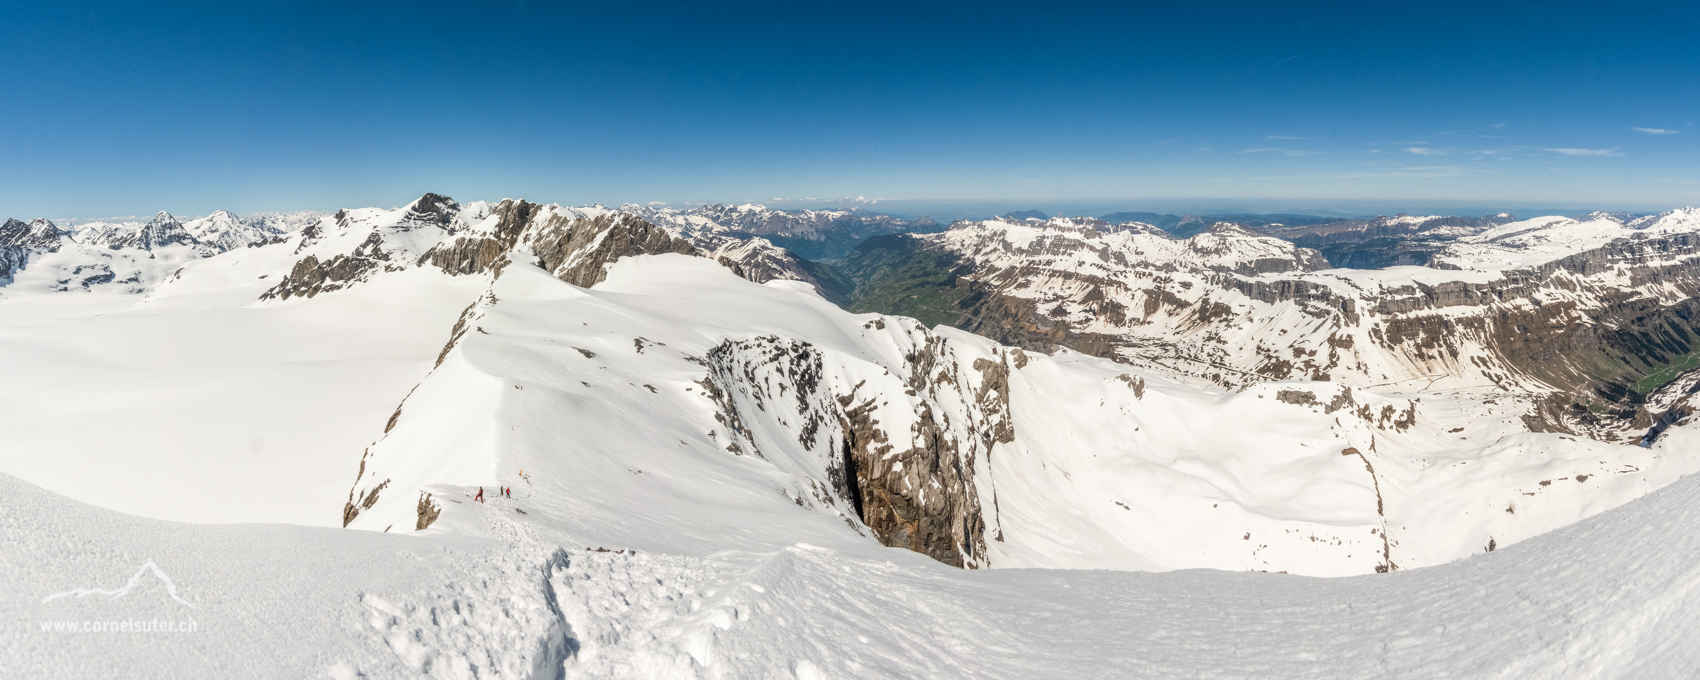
x=1654 y=131
x=665 y=203
x=1285 y=137
x=1446 y=169
x=1301 y=152
x=1262 y=149
x=1417 y=171
x=1584 y=152
x=1425 y=151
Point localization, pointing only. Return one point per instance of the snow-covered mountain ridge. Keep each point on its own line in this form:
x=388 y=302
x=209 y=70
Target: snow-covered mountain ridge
x=1551 y=306
x=132 y=256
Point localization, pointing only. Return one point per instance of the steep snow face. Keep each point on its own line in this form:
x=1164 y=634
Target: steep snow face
x=730 y=415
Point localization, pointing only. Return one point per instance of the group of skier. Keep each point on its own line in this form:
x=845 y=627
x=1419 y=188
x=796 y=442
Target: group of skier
x=506 y=492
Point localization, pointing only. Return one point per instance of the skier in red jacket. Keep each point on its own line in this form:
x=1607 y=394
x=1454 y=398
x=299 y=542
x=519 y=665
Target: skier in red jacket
x=480 y=496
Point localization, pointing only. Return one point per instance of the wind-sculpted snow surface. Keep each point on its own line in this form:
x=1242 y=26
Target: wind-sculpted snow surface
x=267 y=601
x=1613 y=596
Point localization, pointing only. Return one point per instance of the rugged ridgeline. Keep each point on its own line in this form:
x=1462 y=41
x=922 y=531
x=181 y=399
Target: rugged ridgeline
x=574 y=243
x=331 y=252
x=138 y=257
x=811 y=234
x=1579 y=312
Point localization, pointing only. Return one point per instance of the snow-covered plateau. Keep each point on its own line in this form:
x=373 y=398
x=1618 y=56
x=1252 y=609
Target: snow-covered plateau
x=295 y=441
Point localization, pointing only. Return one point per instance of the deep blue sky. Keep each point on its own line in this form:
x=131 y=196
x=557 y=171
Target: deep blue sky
x=115 y=109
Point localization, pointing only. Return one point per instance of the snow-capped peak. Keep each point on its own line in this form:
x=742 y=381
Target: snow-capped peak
x=225 y=230
x=1681 y=219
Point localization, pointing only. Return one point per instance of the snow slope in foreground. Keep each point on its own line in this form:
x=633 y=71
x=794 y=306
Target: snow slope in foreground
x=1613 y=596
x=205 y=407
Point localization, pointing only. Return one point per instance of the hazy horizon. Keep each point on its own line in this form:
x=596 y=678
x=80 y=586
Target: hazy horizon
x=953 y=209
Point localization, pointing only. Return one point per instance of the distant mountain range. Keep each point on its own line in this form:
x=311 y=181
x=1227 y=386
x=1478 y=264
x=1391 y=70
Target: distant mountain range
x=811 y=234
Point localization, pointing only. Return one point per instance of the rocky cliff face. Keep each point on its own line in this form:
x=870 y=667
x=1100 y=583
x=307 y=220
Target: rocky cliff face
x=311 y=276
x=573 y=245
x=905 y=466
x=18 y=241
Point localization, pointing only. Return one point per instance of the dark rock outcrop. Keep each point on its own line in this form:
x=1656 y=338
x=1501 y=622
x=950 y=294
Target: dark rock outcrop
x=309 y=276
x=915 y=489
x=577 y=251
x=573 y=249
x=19 y=240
